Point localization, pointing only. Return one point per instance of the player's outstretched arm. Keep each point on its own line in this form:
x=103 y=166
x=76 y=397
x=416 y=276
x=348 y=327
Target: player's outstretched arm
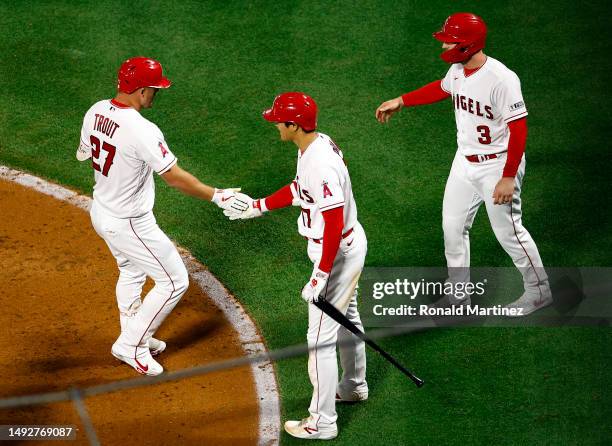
x=428 y=94
x=284 y=197
x=189 y=185
x=387 y=109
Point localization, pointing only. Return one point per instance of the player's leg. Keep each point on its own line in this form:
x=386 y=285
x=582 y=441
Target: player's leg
x=506 y=222
x=322 y=369
x=323 y=330
x=130 y=282
x=352 y=385
x=131 y=279
x=129 y=289
x=149 y=249
x=322 y=363
x=323 y=373
x=459 y=207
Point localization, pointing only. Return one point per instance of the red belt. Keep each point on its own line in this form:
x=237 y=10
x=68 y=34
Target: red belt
x=319 y=240
x=481 y=158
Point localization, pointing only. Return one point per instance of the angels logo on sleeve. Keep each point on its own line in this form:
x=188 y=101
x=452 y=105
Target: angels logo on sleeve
x=163 y=149
x=326 y=191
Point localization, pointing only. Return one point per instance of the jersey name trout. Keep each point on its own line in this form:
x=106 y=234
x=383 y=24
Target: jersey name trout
x=105 y=125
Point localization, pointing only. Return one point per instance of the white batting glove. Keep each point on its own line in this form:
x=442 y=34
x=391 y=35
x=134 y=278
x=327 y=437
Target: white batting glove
x=244 y=208
x=312 y=290
x=226 y=198
x=83 y=153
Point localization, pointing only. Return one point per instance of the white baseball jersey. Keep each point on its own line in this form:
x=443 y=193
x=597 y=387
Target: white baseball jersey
x=125 y=149
x=323 y=183
x=485 y=101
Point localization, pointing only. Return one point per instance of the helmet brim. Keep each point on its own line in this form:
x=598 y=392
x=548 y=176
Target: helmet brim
x=163 y=83
x=269 y=116
x=446 y=37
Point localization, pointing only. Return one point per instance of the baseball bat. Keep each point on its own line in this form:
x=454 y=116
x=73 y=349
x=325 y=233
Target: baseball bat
x=336 y=315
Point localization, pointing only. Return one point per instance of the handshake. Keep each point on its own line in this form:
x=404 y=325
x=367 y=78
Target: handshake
x=239 y=206
x=236 y=205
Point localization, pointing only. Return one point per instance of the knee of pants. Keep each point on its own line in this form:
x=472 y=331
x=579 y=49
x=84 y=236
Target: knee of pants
x=507 y=235
x=177 y=282
x=131 y=277
x=322 y=348
x=455 y=228
x=181 y=282
x=322 y=339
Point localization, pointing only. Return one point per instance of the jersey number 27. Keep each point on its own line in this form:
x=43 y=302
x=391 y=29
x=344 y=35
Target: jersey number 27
x=96 y=146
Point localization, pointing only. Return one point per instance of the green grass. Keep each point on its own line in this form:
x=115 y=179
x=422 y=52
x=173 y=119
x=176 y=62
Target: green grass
x=229 y=59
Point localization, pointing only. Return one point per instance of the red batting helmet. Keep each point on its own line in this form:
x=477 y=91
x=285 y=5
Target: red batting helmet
x=468 y=31
x=139 y=72
x=298 y=108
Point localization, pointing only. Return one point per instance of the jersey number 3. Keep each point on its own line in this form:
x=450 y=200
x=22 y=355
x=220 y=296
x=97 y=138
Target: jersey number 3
x=96 y=146
x=485 y=134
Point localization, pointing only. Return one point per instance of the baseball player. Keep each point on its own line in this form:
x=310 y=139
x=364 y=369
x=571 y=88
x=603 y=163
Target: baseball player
x=337 y=247
x=125 y=149
x=489 y=165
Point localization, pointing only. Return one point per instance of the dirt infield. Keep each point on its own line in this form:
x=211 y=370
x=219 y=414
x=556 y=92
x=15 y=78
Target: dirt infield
x=59 y=320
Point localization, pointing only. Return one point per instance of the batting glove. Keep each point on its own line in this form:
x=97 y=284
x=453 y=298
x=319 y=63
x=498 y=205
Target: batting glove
x=83 y=152
x=312 y=290
x=245 y=207
x=226 y=199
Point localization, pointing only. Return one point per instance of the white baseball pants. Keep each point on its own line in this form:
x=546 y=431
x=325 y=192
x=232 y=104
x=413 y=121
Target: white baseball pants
x=324 y=332
x=141 y=249
x=468 y=186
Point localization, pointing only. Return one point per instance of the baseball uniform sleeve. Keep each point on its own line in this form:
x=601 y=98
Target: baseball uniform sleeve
x=427 y=94
x=332 y=235
x=84 y=151
x=327 y=189
x=279 y=199
x=446 y=82
x=516 y=146
x=154 y=151
x=507 y=98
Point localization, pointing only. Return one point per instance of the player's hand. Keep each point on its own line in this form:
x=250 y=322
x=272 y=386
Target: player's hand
x=386 y=109
x=312 y=290
x=504 y=189
x=226 y=198
x=243 y=208
x=83 y=153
